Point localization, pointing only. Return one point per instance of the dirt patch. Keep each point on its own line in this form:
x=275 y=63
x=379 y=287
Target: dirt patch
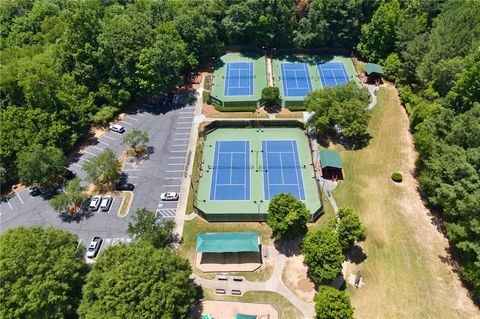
x=286 y=113
x=295 y=278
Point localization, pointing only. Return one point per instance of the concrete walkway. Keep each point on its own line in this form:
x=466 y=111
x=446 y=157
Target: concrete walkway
x=372 y=89
x=274 y=284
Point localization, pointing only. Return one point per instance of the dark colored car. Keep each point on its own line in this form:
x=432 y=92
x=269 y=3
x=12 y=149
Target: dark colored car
x=124 y=187
x=34 y=191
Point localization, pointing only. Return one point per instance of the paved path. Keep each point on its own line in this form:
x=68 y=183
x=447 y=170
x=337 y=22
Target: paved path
x=274 y=284
x=372 y=89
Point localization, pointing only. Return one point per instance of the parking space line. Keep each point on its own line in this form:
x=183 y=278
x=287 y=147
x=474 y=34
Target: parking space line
x=109 y=137
x=8 y=202
x=181 y=139
x=184 y=123
x=178 y=145
x=111 y=205
x=175 y=171
x=75 y=164
x=178 y=151
x=181 y=133
x=175 y=163
x=173 y=177
x=185 y=113
x=134 y=177
x=20 y=198
x=98 y=148
x=86 y=159
x=131 y=118
x=123 y=121
x=85 y=151
x=103 y=142
x=131 y=170
x=176 y=157
x=171 y=185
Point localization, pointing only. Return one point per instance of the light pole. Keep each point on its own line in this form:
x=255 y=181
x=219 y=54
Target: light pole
x=258 y=203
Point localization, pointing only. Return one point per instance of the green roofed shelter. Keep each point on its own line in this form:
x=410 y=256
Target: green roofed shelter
x=371 y=68
x=227 y=243
x=242 y=316
x=331 y=165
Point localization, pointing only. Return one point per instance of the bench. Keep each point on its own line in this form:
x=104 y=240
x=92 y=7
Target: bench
x=224 y=278
x=220 y=291
x=236 y=292
x=237 y=278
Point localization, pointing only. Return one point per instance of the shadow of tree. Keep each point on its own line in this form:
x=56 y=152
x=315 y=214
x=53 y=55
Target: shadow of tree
x=290 y=247
x=356 y=255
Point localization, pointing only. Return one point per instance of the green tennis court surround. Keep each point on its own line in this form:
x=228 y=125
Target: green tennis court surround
x=227 y=243
x=242 y=169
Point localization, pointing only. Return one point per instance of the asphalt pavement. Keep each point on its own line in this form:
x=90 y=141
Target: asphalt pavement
x=168 y=129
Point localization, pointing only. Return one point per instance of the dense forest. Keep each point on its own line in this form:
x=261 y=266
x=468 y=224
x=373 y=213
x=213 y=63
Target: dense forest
x=67 y=65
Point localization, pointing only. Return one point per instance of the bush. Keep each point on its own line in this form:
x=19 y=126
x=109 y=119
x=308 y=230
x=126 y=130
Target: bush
x=220 y=108
x=391 y=66
x=104 y=114
x=296 y=108
x=397 y=177
x=270 y=95
x=205 y=96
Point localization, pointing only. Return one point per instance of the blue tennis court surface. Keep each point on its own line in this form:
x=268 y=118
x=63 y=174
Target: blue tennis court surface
x=239 y=79
x=296 y=79
x=332 y=73
x=282 y=169
x=231 y=174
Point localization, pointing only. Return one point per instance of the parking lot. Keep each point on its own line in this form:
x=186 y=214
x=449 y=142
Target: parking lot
x=169 y=132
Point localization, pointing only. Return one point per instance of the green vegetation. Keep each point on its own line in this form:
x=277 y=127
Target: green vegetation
x=332 y=304
x=221 y=108
x=341 y=106
x=40 y=165
x=103 y=170
x=349 y=228
x=397 y=177
x=287 y=216
x=270 y=95
x=136 y=140
x=70 y=199
x=323 y=255
x=297 y=108
x=133 y=279
x=42 y=271
x=144 y=226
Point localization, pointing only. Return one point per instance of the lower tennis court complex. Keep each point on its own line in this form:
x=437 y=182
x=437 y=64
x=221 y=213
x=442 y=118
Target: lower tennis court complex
x=242 y=169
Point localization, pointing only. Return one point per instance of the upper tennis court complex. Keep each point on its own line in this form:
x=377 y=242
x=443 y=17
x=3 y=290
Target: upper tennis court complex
x=244 y=168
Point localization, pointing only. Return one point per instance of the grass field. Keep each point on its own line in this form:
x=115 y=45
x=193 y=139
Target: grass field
x=284 y=307
x=404 y=275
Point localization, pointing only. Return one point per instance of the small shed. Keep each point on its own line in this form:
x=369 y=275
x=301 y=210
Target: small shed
x=374 y=73
x=331 y=165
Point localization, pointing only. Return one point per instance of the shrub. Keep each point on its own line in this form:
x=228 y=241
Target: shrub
x=205 y=96
x=296 y=108
x=397 y=177
x=270 y=94
x=220 y=108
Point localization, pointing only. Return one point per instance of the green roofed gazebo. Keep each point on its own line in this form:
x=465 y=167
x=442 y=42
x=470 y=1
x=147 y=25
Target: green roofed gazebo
x=371 y=68
x=242 y=316
x=331 y=165
x=227 y=243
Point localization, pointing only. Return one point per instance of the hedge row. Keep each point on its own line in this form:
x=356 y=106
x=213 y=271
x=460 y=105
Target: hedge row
x=220 y=108
x=296 y=108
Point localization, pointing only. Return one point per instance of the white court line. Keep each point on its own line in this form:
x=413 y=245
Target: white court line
x=20 y=198
x=123 y=121
x=109 y=137
x=85 y=151
x=75 y=164
x=103 y=142
x=131 y=118
x=173 y=177
x=175 y=171
x=9 y=204
x=98 y=148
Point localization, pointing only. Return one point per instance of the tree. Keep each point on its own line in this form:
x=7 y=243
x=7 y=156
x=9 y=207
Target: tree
x=391 y=66
x=134 y=279
x=287 y=216
x=331 y=303
x=270 y=95
x=378 y=37
x=71 y=199
x=344 y=106
x=3 y=175
x=40 y=165
x=42 y=271
x=103 y=169
x=136 y=140
x=322 y=254
x=145 y=226
x=350 y=229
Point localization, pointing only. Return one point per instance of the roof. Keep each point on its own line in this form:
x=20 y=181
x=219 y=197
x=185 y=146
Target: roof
x=227 y=242
x=373 y=68
x=242 y=316
x=330 y=159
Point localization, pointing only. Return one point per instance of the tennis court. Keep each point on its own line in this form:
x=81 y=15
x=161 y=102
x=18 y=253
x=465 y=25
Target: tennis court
x=231 y=175
x=239 y=79
x=296 y=79
x=282 y=169
x=332 y=73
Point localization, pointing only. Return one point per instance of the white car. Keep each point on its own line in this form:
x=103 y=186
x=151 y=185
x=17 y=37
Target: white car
x=94 y=247
x=106 y=203
x=169 y=196
x=95 y=203
x=117 y=128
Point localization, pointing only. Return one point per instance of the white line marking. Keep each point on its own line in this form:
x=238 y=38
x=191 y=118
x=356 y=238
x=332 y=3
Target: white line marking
x=178 y=151
x=86 y=159
x=8 y=202
x=175 y=171
x=123 y=121
x=181 y=133
x=179 y=145
x=109 y=137
x=181 y=139
x=111 y=205
x=173 y=177
x=20 y=198
x=132 y=176
x=75 y=164
x=185 y=117
x=176 y=157
x=182 y=128
x=85 y=151
x=131 y=118
x=131 y=170
x=175 y=163
x=171 y=186
x=98 y=148
x=184 y=123
x=103 y=142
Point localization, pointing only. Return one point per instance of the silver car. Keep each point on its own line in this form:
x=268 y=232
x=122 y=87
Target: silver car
x=170 y=196
x=94 y=247
x=117 y=128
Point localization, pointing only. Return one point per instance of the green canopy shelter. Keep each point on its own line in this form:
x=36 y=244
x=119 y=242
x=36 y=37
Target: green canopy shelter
x=227 y=243
x=371 y=68
x=331 y=165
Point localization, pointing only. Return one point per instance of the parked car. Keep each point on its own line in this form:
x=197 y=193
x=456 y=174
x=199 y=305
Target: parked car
x=171 y=196
x=33 y=191
x=106 y=203
x=117 y=128
x=124 y=187
x=94 y=247
x=95 y=202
